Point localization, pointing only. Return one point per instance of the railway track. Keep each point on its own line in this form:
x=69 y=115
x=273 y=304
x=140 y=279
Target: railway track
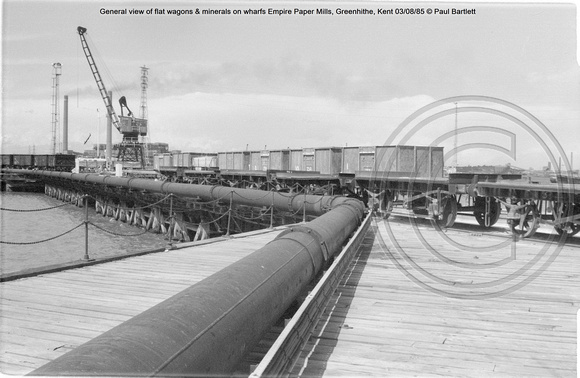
x=465 y=224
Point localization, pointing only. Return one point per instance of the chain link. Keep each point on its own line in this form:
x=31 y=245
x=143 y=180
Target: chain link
x=115 y=233
x=42 y=241
x=263 y=213
x=32 y=210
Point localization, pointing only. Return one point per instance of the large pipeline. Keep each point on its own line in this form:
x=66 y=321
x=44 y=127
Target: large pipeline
x=209 y=327
x=292 y=202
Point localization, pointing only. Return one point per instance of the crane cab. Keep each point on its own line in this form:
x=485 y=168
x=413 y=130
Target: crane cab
x=132 y=127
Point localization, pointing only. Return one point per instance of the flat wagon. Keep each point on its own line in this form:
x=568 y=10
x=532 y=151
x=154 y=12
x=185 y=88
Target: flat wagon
x=529 y=205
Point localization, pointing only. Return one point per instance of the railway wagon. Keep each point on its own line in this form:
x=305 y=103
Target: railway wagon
x=180 y=160
x=246 y=160
x=240 y=160
x=296 y=160
x=410 y=181
x=23 y=161
x=529 y=205
x=255 y=160
x=419 y=161
x=308 y=160
x=157 y=160
x=91 y=164
x=167 y=160
x=189 y=160
x=264 y=160
x=328 y=161
x=279 y=160
x=7 y=160
x=61 y=162
x=163 y=160
x=205 y=162
x=175 y=160
x=41 y=161
x=350 y=159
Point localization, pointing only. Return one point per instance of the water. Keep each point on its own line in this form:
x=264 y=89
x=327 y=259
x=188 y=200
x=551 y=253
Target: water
x=24 y=227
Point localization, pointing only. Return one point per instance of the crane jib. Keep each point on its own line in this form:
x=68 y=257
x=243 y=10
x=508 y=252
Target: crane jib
x=130 y=127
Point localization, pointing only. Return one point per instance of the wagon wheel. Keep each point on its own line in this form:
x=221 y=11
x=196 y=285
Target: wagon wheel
x=480 y=213
x=528 y=221
x=574 y=229
x=568 y=228
x=448 y=212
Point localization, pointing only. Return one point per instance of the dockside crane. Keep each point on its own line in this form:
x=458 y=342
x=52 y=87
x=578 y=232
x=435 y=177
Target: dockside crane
x=130 y=149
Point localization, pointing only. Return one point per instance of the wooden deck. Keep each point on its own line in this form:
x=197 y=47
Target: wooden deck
x=417 y=302
x=45 y=316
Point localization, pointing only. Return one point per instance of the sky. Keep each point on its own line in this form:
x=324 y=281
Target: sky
x=235 y=82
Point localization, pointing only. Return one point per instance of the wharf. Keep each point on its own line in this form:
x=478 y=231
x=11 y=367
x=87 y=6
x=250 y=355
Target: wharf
x=402 y=309
x=45 y=316
x=414 y=302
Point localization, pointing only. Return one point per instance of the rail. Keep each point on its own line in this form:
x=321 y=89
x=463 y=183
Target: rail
x=283 y=354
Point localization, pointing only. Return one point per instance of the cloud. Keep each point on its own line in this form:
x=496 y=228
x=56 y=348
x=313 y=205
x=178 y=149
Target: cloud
x=283 y=76
x=232 y=121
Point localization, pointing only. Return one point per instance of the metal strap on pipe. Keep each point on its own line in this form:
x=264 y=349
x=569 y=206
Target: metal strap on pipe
x=308 y=230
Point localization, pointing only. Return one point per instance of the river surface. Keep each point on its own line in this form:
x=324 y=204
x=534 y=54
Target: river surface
x=25 y=227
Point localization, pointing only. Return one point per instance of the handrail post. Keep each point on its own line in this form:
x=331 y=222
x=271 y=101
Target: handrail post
x=272 y=212
x=170 y=230
x=439 y=207
x=304 y=208
x=86 y=203
x=230 y=213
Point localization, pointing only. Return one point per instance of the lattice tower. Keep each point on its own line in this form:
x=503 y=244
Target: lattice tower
x=144 y=85
x=56 y=72
x=143 y=110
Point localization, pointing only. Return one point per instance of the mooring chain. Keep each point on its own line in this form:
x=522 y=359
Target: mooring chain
x=263 y=212
x=45 y=240
x=138 y=208
x=153 y=204
x=315 y=202
x=300 y=210
x=210 y=201
x=217 y=219
x=115 y=233
x=32 y=210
